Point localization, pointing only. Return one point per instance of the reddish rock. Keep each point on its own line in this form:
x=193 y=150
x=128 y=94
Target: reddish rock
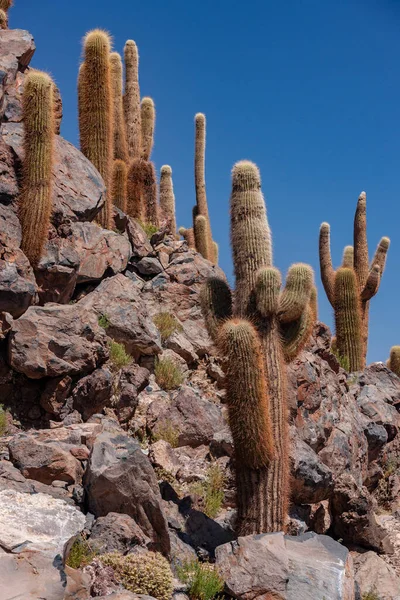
x=55 y=395
x=117 y=533
x=16 y=50
x=17 y=282
x=93 y=392
x=141 y=246
x=57 y=271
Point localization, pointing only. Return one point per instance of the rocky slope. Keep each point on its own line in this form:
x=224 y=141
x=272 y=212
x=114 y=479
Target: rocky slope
x=93 y=443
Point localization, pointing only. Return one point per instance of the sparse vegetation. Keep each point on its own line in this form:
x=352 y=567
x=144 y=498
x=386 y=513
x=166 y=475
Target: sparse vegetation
x=148 y=228
x=167 y=432
x=3 y=420
x=164 y=475
x=104 y=321
x=343 y=360
x=148 y=573
x=371 y=595
x=204 y=581
x=168 y=374
x=81 y=553
x=211 y=491
x=166 y=324
x=118 y=355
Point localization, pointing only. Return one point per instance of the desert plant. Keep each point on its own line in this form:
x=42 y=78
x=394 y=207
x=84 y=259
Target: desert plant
x=206 y=249
x=118 y=355
x=268 y=328
x=148 y=119
x=119 y=132
x=135 y=205
x=211 y=490
x=394 y=360
x=148 y=573
x=167 y=197
x=3 y=420
x=132 y=100
x=349 y=294
x=119 y=185
x=36 y=201
x=95 y=111
x=188 y=236
x=372 y=594
x=168 y=374
x=166 y=431
x=203 y=580
x=201 y=235
x=5 y=5
x=81 y=553
x=103 y=321
x=166 y=324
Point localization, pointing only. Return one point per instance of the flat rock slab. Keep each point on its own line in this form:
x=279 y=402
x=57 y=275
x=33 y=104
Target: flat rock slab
x=307 y=567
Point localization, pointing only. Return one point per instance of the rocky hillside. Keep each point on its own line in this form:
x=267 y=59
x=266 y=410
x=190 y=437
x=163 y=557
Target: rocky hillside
x=117 y=461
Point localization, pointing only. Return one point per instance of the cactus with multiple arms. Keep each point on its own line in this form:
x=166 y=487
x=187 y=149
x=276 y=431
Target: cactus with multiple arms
x=95 y=111
x=267 y=329
x=132 y=100
x=350 y=296
x=36 y=202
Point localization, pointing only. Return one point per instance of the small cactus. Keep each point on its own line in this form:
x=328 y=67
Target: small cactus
x=36 y=201
x=200 y=184
x=394 y=360
x=95 y=111
x=132 y=100
x=167 y=197
x=120 y=145
x=201 y=235
x=148 y=118
x=119 y=184
x=5 y=6
x=188 y=236
x=135 y=206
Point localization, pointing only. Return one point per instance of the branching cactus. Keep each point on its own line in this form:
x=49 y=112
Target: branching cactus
x=263 y=329
x=119 y=133
x=36 y=202
x=132 y=100
x=167 y=197
x=394 y=360
x=95 y=111
x=5 y=6
x=351 y=294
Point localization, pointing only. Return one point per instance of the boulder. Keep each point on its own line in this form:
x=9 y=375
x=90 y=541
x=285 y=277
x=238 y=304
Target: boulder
x=17 y=281
x=309 y=566
x=131 y=381
x=312 y=481
x=373 y=574
x=141 y=246
x=16 y=50
x=119 y=478
x=117 y=533
x=93 y=392
x=119 y=300
x=57 y=340
x=57 y=271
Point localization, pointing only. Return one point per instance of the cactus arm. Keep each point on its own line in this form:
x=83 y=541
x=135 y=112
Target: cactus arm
x=135 y=208
x=394 y=361
x=216 y=304
x=361 y=262
x=381 y=254
x=325 y=261
x=296 y=334
x=119 y=184
x=167 y=197
x=348 y=257
x=119 y=132
x=188 y=236
x=247 y=394
x=215 y=253
x=201 y=236
x=150 y=193
x=372 y=284
x=348 y=318
x=296 y=294
x=148 y=118
x=267 y=290
x=314 y=303
x=132 y=100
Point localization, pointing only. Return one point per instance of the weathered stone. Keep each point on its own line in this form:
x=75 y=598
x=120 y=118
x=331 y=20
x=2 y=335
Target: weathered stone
x=132 y=380
x=55 y=395
x=163 y=455
x=149 y=265
x=141 y=246
x=119 y=478
x=93 y=392
x=57 y=340
x=117 y=533
x=17 y=282
x=129 y=323
x=57 y=271
x=181 y=346
x=16 y=50
x=312 y=481
x=373 y=574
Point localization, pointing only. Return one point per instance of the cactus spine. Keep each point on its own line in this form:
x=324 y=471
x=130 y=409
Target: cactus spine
x=120 y=145
x=132 y=100
x=119 y=184
x=167 y=197
x=394 y=361
x=95 y=111
x=367 y=276
x=36 y=202
x=5 y=5
x=266 y=322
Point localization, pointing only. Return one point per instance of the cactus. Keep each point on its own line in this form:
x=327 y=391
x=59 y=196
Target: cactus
x=135 y=208
x=268 y=328
x=36 y=202
x=119 y=184
x=201 y=235
x=5 y=5
x=394 y=361
x=167 y=197
x=95 y=111
x=367 y=276
x=132 y=100
x=188 y=235
x=149 y=191
x=148 y=118
x=120 y=145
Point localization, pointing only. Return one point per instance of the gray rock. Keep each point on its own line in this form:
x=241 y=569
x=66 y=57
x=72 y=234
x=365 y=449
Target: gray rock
x=374 y=574
x=93 y=392
x=149 y=266
x=116 y=532
x=17 y=281
x=312 y=481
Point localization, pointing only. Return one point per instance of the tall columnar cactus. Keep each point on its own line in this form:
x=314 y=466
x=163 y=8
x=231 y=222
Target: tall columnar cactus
x=200 y=227
x=200 y=184
x=119 y=138
x=188 y=236
x=132 y=100
x=135 y=204
x=394 y=360
x=119 y=184
x=148 y=120
x=36 y=201
x=5 y=5
x=367 y=277
x=95 y=111
x=258 y=335
x=167 y=197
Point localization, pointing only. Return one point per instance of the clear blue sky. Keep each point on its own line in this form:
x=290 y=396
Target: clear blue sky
x=307 y=89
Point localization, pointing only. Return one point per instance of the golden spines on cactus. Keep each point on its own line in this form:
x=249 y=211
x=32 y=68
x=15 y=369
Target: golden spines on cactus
x=119 y=137
x=149 y=191
x=119 y=185
x=249 y=410
x=200 y=181
x=394 y=360
x=188 y=236
x=250 y=230
x=36 y=201
x=296 y=295
x=132 y=100
x=167 y=197
x=95 y=111
x=348 y=257
x=148 y=119
x=135 y=205
x=6 y=4
x=348 y=318
x=216 y=304
x=201 y=236
x=3 y=19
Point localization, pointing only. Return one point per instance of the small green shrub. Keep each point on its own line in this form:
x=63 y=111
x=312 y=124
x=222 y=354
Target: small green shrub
x=3 y=420
x=211 y=491
x=204 y=581
x=148 y=573
x=371 y=595
x=104 y=321
x=148 y=228
x=118 y=355
x=168 y=374
x=81 y=553
x=344 y=361
x=166 y=324
x=164 y=475
x=168 y=433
